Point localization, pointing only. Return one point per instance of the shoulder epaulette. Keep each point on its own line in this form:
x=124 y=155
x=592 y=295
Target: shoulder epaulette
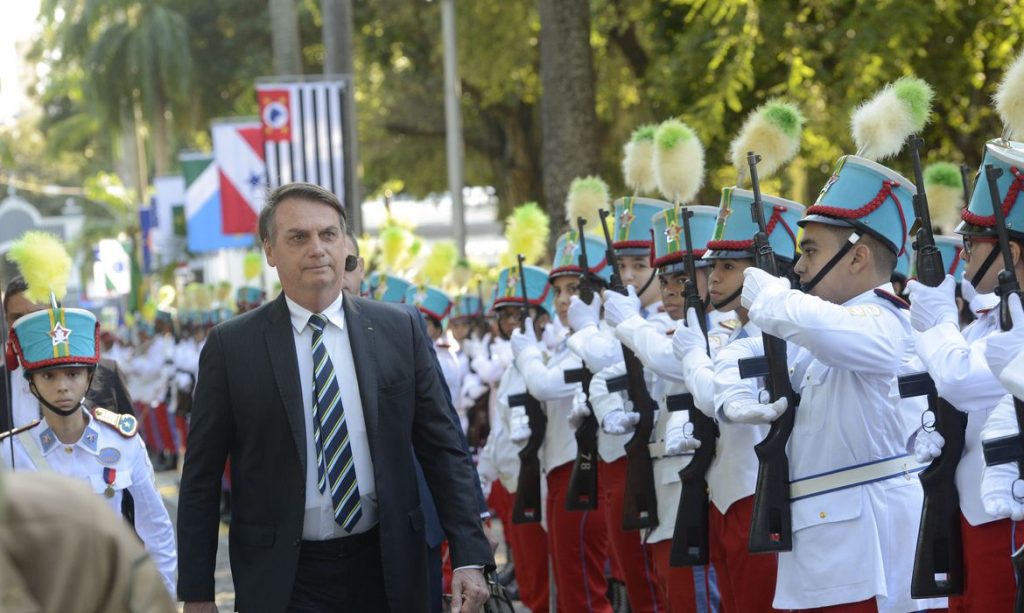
x=730 y=324
x=893 y=298
x=125 y=424
x=18 y=430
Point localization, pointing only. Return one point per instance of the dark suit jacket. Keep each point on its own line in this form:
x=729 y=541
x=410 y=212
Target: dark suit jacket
x=248 y=404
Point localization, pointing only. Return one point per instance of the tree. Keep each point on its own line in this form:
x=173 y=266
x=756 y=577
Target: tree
x=284 y=29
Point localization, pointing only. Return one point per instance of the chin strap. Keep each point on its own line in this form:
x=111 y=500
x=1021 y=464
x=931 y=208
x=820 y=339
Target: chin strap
x=61 y=412
x=978 y=276
x=733 y=296
x=640 y=292
x=827 y=268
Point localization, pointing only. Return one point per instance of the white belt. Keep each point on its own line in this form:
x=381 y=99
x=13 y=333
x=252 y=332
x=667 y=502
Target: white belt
x=862 y=474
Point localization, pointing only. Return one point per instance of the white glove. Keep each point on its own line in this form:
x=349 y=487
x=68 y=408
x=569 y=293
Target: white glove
x=997 y=491
x=977 y=302
x=501 y=351
x=579 y=410
x=618 y=308
x=1002 y=347
x=746 y=412
x=681 y=440
x=620 y=422
x=520 y=433
x=932 y=306
x=928 y=445
x=183 y=381
x=473 y=345
x=485 y=487
x=757 y=282
x=553 y=334
x=583 y=315
x=521 y=340
x=688 y=336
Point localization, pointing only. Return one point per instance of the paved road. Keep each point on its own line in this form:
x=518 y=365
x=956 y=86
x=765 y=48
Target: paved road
x=167 y=482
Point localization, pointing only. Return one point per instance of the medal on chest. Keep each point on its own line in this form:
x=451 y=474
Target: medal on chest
x=109 y=476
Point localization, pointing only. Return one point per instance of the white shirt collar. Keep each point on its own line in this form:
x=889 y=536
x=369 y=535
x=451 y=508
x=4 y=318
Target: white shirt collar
x=300 y=315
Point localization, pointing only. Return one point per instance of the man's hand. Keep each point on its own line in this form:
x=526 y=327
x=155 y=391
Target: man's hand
x=579 y=410
x=1002 y=347
x=997 y=488
x=469 y=590
x=757 y=282
x=932 y=306
x=583 y=315
x=618 y=308
x=755 y=412
x=928 y=445
x=688 y=336
x=620 y=422
x=680 y=440
x=200 y=607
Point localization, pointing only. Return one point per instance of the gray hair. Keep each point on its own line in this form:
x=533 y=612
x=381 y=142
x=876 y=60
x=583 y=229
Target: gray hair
x=298 y=191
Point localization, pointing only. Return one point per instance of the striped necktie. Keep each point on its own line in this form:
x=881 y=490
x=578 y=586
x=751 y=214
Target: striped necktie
x=334 y=462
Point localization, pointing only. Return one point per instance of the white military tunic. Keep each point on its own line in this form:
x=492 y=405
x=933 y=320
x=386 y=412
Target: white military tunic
x=102 y=454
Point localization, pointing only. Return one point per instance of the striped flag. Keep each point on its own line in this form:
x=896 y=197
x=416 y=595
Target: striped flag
x=302 y=128
x=238 y=152
x=202 y=206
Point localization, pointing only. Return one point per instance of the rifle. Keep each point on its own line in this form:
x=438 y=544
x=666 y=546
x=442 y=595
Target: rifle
x=690 y=536
x=939 y=558
x=640 y=504
x=528 y=500
x=582 y=494
x=1008 y=448
x=771 y=527
x=6 y=404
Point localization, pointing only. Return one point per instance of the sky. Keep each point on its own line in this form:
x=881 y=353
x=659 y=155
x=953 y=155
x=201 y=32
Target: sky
x=16 y=30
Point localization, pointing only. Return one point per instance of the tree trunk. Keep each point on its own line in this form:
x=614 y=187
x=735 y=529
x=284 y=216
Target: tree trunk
x=518 y=165
x=161 y=141
x=569 y=147
x=338 y=59
x=284 y=33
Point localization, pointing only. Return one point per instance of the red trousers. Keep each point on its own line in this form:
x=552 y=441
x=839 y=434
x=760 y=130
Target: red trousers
x=864 y=606
x=989 y=584
x=578 y=544
x=746 y=580
x=675 y=583
x=529 y=546
x=631 y=558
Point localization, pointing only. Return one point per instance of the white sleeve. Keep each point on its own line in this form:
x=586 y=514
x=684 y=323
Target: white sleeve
x=959 y=369
x=652 y=346
x=603 y=401
x=1002 y=421
x=866 y=338
x=699 y=375
x=596 y=346
x=545 y=382
x=152 y=523
x=729 y=386
x=1013 y=376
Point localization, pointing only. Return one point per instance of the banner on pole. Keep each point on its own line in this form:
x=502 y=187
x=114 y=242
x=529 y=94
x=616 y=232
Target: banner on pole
x=238 y=152
x=202 y=206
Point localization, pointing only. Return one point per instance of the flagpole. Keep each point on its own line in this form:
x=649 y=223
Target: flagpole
x=453 y=124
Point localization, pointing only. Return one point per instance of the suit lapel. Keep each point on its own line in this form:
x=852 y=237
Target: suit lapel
x=281 y=348
x=364 y=357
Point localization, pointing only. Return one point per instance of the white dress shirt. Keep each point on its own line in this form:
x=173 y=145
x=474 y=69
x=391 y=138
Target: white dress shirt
x=319 y=521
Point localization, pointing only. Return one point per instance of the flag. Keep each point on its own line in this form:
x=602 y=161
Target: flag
x=238 y=152
x=147 y=224
x=202 y=206
x=170 y=195
x=302 y=130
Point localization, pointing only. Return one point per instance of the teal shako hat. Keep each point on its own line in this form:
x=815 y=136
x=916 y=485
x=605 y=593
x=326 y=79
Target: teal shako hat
x=633 y=232
x=735 y=228
x=388 y=288
x=431 y=301
x=567 y=256
x=670 y=243
x=466 y=306
x=54 y=338
x=978 y=219
x=538 y=291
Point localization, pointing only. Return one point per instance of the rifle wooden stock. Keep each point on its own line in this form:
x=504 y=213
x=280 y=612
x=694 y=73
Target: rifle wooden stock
x=939 y=558
x=527 y=508
x=640 y=505
x=582 y=494
x=690 y=545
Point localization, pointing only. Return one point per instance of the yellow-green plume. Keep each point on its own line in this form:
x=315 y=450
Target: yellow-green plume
x=527 y=230
x=678 y=161
x=44 y=263
x=1009 y=99
x=252 y=265
x=393 y=243
x=587 y=196
x=165 y=296
x=944 y=187
x=881 y=125
x=638 y=160
x=224 y=292
x=772 y=131
x=439 y=263
x=149 y=311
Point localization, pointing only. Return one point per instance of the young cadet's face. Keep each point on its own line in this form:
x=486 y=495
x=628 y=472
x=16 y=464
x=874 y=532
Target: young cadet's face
x=976 y=252
x=565 y=287
x=636 y=270
x=819 y=245
x=307 y=248
x=62 y=387
x=726 y=278
x=18 y=306
x=673 y=291
x=459 y=329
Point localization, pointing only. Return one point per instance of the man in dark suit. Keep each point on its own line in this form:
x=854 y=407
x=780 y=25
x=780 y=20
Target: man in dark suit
x=322 y=399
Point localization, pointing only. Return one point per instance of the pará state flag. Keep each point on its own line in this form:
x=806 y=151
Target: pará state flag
x=202 y=206
x=238 y=152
